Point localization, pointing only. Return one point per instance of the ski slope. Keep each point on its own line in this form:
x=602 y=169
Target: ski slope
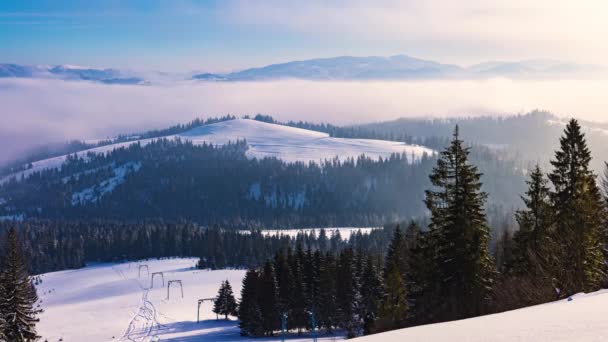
x=112 y=302
x=581 y=319
x=264 y=140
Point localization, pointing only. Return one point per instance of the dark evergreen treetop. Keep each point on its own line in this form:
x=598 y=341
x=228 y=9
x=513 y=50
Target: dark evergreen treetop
x=460 y=234
x=17 y=294
x=580 y=215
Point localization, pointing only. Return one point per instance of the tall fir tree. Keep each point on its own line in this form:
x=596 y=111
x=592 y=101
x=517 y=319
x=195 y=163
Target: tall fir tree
x=579 y=215
x=534 y=250
x=393 y=308
x=298 y=318
x=250 y=315
x=17 y=294
x=269 y=300
x=348 y=296
x=460 y=235
x=371 y=293
x=327 y=293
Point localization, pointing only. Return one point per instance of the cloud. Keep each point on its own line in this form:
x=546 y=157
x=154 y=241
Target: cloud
x=41 y=111
x=467 y=31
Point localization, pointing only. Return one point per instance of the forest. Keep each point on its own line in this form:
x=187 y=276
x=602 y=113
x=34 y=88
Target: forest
x=447 y=271
x=447 y=266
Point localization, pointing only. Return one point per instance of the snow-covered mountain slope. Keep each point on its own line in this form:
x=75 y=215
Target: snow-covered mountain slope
x=265 y=140
x=583 y=318
x=112 y=302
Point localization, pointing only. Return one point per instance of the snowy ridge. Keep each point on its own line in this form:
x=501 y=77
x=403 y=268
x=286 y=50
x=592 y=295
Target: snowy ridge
x=264 y=140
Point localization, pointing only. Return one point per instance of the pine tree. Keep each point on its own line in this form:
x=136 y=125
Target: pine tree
x=327 y=293
x=393 y=309
x=371 y=292
x=269 y=299
x=298 y=317
x=224 y=303
x=579 y=215
x=250 y=315
x=460 y=235
x=282 y=275
x=17 y=294
x=534 y=248
x=348 y=297
x=422 y=284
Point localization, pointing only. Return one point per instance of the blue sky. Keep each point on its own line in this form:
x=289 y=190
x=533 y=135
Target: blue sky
x=225 y=35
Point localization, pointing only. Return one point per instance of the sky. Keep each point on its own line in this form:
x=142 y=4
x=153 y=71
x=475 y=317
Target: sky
x=184 y=35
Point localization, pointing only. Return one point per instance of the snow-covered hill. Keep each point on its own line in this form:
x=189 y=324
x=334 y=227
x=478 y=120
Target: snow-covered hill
x=583 y=318
x=265 y=140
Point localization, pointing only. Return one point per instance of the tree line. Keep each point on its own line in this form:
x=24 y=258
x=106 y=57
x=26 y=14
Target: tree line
x=446 y=272
x=209 y=185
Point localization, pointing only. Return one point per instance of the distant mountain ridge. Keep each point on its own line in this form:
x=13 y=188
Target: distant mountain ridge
x=402 y=67
x=343 y=68
x=69 y=72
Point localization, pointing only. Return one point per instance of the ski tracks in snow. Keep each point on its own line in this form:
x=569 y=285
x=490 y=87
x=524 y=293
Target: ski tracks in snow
x=144 y=325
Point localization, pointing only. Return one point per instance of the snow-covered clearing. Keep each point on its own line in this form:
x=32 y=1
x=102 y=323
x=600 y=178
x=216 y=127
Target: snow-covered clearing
x=345 y=232
x=581 y=319
x=265 y=140
x=110 y=302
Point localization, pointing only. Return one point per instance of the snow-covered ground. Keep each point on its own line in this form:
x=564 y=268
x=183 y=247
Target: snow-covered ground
x=345 y=232
x=581 y=319
x=111 y=302
x=266 y=140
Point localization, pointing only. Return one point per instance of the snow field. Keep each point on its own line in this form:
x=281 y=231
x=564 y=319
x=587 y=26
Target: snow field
x=110 y=302
x=581 y=319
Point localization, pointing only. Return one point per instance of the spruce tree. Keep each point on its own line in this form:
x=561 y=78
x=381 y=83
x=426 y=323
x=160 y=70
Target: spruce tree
x=224 y=303
x=250 y=315
x=579 y=215
x=348 y=297
x=281 y=268
x=269 y=301
x=393 y=308
x=534 y=249
x=459 y=234
x=17 y=294
x=371 y=293
x=298 y=318
x=327 y=293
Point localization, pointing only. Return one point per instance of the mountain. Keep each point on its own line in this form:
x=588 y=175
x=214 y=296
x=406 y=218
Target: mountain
x=402 y=67
x=534 y=69
x=346 y=68
x=264 y=140
x=70 y=72
x=239 y=172
x=531 y=137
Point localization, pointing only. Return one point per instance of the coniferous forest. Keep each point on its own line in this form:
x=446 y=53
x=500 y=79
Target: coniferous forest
x=446 y=272
x=443 y=267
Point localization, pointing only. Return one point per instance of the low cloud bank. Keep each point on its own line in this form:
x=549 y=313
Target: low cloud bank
x=36 y=112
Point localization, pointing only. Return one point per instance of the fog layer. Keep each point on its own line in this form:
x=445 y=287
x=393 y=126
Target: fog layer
x=36 y=112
